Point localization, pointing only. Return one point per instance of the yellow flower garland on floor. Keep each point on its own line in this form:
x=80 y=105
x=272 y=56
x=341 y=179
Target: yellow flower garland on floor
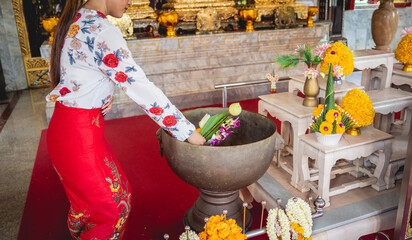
x=403 y=52
x=218 y=228
x=338 y=54
x=358 y=104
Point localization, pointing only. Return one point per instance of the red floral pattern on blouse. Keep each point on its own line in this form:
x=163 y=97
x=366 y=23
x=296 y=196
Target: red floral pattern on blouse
x=169 y=121
x=156 y=110
x=64 y=91
x=120 y=77
x=111 y=60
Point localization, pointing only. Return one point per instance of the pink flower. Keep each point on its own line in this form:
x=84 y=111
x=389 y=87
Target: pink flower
x=406 y=31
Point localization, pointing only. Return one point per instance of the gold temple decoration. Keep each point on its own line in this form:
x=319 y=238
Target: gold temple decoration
x=188 y=9
x=169 y=20
x=207 y=21
x=36 y=68
x=267 y=8
x=124 y=24
x=312 y=11
x=248 y=15
x=140 y=9
x=49 y=24
x=285 y=16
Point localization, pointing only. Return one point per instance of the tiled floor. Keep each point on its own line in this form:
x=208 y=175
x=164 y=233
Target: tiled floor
x=18 y=145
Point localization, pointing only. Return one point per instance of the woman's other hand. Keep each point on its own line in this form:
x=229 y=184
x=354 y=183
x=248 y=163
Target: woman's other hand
x=196 y=138
x=107 y=107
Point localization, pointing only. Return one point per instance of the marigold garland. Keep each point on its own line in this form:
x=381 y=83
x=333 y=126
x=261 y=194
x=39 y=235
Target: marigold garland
x=338 y=54
x=358 y=104
x=403 y=52
x=218 y=228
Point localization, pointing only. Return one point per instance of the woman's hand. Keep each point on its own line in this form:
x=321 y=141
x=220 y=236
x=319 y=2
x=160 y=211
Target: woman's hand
x=196 y=138
x=107 y=107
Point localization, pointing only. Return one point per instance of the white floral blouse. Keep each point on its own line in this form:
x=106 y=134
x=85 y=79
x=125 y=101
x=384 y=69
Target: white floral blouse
x=94 y=58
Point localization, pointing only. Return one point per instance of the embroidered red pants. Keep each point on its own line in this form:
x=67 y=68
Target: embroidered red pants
x=97 y=188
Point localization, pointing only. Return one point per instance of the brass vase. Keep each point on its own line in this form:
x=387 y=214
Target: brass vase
x=311 y=89
x=407 y=67
x=354 y=131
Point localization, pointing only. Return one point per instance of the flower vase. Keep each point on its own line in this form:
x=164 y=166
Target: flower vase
x=354 y=131
x=329 y=139
x=311 y=89
x=384 y=25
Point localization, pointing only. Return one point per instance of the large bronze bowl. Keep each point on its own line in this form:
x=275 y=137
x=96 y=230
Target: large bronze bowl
x=220 y=171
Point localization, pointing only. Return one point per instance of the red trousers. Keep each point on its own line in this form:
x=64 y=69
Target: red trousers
x=96 y=186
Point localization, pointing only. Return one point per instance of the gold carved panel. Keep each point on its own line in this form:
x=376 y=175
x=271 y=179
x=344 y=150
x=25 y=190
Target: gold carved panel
x=36 y=68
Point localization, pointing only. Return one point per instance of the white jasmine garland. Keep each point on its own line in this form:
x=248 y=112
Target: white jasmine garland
x=299 y=212
x=192 y=236
x=277 y=225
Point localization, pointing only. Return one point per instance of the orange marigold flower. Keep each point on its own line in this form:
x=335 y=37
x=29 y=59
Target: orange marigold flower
x=333 y=115
x=403 y=52
x=325 y=128
x=202 y=236
x=340 y=128
x=318 y=110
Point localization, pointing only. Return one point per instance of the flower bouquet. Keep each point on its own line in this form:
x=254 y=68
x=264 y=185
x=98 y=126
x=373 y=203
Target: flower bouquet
x=303 y=53
x=330 y=120
x=295 y=222
x=216 y=128
x=218 y=227
x=358 y=104
x=341 y=58
x=403 y=52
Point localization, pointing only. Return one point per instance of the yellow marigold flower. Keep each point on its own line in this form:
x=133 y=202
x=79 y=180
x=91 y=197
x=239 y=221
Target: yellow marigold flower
x=358 y=104
x=224 y=233
x=403 y=52
x=212 y=229
x=73 y=30
x=202 y=236
x=214 y=237
x=340 y=128
x=318 y=110
x=338 y=54
x=333 y=115
x=301 y=237
x=325 y=128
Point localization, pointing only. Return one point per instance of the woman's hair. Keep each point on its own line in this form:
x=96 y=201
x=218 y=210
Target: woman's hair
x=66 y=19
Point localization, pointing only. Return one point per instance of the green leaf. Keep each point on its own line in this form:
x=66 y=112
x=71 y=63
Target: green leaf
x=329 y=95
x=286 y=61
x=212 y=122
x=215 y=128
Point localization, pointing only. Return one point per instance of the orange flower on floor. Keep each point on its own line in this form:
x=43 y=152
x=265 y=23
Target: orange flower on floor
x=217 y=228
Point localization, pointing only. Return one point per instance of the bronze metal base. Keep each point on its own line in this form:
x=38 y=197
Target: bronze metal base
x=211 y=203
x=407 y=68
x=310 y=102
x=354 y=131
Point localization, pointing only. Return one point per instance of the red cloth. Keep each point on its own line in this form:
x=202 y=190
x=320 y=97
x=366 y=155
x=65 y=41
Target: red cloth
x=96 y=186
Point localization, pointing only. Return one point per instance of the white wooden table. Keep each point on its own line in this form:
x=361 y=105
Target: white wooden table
x=386 y=102
x=288 y=107
x=297 y=82
x=400 y=77
x=350 y=148
x=368 y=59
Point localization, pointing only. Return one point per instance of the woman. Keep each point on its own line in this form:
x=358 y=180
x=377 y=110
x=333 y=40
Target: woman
x=90 y=56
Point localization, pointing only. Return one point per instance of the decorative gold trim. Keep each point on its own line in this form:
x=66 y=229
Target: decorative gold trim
x=21 y=28
x=37 y=70
x=408 y=233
